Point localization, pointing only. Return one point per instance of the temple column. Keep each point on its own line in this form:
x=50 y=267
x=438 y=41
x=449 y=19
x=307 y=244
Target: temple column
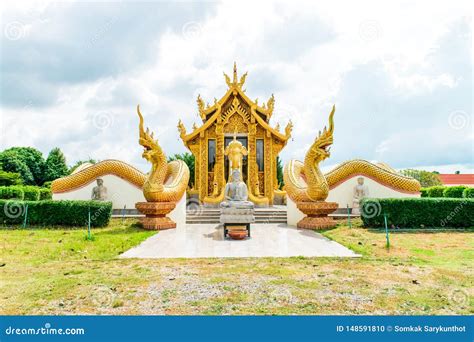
x=268 y=167
x=203 y=167
x=252 y=158
x=219 y=167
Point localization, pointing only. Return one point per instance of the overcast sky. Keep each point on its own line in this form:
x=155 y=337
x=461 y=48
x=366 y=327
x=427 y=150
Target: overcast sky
x=400 y=74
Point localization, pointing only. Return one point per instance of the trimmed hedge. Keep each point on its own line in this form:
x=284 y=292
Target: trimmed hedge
x=445 y=191
x=454 y=191
x=55 y=213
x=12 y=192
x=418 y=212
x=468 y=193
x=436 y=191
x=31 y=193
x=25 y=192
x=424 y=192
x=45 y=194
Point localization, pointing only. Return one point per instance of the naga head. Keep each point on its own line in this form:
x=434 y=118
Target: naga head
x=152 y=150
x=322 y=145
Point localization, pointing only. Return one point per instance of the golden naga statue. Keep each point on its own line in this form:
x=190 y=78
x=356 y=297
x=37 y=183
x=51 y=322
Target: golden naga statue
x=166 y=182
x=306 y=185
x=313 y=186
x=82 y=177
x=304 y=182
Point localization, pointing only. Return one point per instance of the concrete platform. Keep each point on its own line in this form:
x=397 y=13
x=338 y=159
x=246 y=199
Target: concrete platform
x=207 y=241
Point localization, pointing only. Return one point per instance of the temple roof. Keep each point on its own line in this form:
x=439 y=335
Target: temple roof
x=449 y=179
x=209 y=114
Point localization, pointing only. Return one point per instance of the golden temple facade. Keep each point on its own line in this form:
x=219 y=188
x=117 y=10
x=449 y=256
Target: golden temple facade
x=235 y=117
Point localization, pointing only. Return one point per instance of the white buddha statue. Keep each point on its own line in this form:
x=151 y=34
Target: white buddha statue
x=360 y=191
x=235 y=192
x=99 y=192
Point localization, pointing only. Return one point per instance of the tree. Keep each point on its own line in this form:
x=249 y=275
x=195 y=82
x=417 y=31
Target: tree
x=55 y=165
x=11 y=162
x=426 y=178
x=27 y=161
x=79 y=163
x=281 y=183
x=189 y=159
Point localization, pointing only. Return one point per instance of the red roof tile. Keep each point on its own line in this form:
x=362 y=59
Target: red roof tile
x=457 y=179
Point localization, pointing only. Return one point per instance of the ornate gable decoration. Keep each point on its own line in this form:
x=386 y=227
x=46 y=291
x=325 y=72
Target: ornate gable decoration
x=236 y=107
x=235 y=88
x=235 y=101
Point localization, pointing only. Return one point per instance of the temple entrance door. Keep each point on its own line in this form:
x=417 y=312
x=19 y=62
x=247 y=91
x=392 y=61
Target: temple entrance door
x=243 y=141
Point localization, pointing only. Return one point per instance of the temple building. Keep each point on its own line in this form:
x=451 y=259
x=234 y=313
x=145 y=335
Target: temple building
x=236 y=134
x=235 y=117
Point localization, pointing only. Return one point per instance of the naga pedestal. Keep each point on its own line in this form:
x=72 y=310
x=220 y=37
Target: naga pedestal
x=316 y=215
x=155 y=215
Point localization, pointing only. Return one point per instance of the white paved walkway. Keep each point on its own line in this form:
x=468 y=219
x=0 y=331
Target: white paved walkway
x=206 y=241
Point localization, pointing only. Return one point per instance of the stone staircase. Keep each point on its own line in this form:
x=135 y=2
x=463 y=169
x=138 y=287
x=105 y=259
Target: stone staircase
x=203 y=215
x=200 y=214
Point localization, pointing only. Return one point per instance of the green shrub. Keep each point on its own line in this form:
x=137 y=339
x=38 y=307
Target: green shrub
x=26 y=192
x=12 y=192
x=468 y=193
x=454 y=191
x=31 y=193
x=418 y=212
x=54 y=213
x=47 y=184
x=424 y=192
x=9 y=178
x=45 y=194
x=436 y=191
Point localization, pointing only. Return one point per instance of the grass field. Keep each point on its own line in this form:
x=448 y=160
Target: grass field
x=58 y=271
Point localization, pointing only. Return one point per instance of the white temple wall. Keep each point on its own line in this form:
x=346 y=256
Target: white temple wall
x=178 y=214
x=293 y=214
x=120 y=192
x=343 y=194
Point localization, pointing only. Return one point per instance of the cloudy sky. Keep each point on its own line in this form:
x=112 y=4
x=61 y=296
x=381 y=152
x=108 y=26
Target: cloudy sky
x=400 y=74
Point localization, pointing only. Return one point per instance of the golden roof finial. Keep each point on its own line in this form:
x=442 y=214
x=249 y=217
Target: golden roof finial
x=235 y=73
x=288 y=129
x=181 y=129
x=201 y=108
x=270 y=105
x=235 y=82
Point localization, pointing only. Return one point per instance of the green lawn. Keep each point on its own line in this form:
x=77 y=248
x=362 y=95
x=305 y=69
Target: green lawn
x=58 y=271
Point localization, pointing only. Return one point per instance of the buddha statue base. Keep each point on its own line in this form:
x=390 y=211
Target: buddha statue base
x=236 y=209
x=317 y=215
x=237 y=212
x=155 y=215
